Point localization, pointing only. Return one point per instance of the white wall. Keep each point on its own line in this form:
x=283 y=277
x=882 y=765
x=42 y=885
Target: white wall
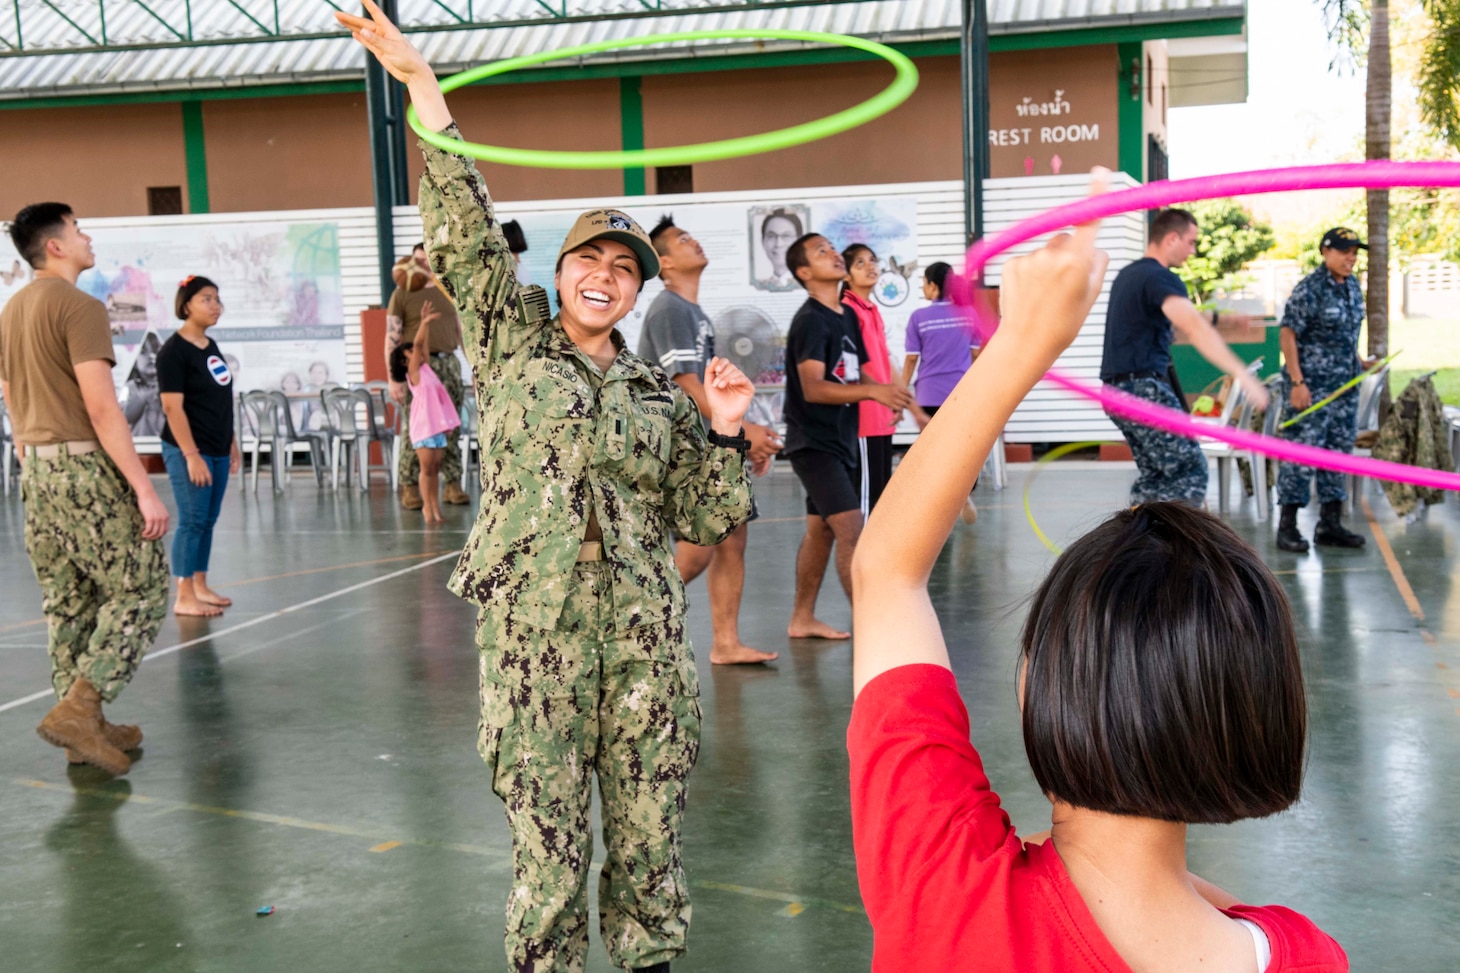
x=1047 y=415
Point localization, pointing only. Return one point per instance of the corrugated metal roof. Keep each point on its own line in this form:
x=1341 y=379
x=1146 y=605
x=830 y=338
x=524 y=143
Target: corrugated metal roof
x=337 y=58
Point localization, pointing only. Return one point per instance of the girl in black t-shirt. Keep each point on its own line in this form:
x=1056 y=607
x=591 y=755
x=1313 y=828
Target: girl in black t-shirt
x=198 y=445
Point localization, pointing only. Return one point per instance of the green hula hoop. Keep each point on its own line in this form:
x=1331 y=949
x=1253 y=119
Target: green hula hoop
x=903 y=85
x=1339 y=393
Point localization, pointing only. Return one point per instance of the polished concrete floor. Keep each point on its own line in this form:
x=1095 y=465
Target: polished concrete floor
x=313 y=750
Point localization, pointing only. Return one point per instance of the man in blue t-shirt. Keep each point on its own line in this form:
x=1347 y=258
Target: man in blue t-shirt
x=1146 y=301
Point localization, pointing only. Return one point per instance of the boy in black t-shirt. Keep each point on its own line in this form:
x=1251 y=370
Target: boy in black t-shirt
x=1146 y=300
x=824 y=383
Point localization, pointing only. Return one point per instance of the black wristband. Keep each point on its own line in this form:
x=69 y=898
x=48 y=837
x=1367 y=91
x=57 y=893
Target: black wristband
x=737 y=442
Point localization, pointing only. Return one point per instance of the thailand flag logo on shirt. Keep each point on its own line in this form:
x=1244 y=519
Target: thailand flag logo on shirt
x=218 y=368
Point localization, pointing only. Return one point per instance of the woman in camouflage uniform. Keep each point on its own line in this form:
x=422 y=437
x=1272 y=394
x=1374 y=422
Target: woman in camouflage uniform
x=593 y=456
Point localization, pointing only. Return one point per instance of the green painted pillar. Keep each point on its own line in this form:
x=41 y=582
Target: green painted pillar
x=1131 y=88
x=195 y=151
x=631 y=120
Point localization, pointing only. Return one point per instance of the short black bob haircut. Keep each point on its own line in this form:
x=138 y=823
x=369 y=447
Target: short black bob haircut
x=516 y=239
x=186 y=291
x=1169 y=221
x=937 y=275
x=1162 y=675
x=400 y=362
x=33 y=226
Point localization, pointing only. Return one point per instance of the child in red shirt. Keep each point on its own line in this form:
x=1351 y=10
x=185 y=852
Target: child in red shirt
x=1160 y=686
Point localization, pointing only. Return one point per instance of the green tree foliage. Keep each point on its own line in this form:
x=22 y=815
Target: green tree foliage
x=1438 y=70
x=1231 y=237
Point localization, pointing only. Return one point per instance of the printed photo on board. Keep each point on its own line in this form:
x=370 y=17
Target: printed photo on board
x=772 y=231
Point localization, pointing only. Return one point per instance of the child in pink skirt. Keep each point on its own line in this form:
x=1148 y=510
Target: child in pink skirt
x=432 y=413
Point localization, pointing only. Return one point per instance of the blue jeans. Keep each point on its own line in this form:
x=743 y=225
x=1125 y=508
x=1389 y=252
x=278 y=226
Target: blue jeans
x=197 y=510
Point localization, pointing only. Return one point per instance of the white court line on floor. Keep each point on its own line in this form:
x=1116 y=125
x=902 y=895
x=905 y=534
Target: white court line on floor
x=256 y=621
x=291 y=635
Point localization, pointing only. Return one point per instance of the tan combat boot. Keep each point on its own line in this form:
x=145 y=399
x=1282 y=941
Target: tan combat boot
x=123 y=736
x=455 y=494
x=410 y=497
x=75 y=723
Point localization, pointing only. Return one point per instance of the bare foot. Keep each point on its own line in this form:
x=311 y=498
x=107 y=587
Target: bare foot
x=816 y=629
x=193 y=607
x=970 y=512
x=210 y=597
x=741 y=655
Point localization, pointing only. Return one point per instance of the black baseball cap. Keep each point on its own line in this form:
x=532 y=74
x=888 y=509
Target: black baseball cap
x=1342 y=238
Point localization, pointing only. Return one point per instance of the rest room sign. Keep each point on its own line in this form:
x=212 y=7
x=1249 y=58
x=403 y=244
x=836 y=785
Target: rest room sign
x=1053 y=112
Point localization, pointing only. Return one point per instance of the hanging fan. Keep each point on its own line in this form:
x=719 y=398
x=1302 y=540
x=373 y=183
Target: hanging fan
x=750 y=339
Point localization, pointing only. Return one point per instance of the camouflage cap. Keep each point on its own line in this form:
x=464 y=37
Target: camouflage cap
x=1342 y=238
x=614 y=224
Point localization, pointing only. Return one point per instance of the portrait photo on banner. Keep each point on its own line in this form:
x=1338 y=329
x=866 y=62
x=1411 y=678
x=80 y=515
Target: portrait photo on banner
x=772 y=230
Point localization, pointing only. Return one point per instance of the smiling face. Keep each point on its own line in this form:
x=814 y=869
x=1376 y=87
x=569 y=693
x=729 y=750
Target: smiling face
x=776 y=236
x=598 y=283
x=1340 y=263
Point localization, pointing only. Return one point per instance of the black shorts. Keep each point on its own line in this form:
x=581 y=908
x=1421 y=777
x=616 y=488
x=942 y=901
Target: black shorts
x=832 y=486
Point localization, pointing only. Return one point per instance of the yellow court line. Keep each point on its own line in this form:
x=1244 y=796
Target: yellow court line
x=1300 y=571
x=1395 y=571
x=25 y=624
x=332 y=567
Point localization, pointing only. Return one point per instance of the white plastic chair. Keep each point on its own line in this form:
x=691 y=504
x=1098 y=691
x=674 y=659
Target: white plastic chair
x=1239 y=407
x=1369 y=399
x=379 y=412
x=7 y=448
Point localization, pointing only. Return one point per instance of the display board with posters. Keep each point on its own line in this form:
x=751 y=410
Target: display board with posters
x=747 y=291
x=283 y=324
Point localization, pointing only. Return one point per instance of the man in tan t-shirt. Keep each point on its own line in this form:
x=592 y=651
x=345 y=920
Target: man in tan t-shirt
x=414 y=292
x=92 y=517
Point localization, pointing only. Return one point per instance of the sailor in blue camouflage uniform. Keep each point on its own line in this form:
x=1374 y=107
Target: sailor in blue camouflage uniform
x=592 y=457
x=1320 y=341
x=1147 y=302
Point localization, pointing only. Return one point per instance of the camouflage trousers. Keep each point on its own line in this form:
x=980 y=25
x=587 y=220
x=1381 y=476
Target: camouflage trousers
x=1170 y=467
x=103 y=588
x=558 y=708
x=448 y=369
x=1332 y=427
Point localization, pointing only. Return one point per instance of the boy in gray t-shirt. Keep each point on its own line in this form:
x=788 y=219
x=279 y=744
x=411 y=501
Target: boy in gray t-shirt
x=679 y=338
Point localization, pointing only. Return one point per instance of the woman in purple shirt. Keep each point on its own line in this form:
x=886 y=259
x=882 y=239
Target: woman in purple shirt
x=941 y=344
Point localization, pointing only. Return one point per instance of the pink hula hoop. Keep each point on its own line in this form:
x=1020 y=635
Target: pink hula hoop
x=1355 y=175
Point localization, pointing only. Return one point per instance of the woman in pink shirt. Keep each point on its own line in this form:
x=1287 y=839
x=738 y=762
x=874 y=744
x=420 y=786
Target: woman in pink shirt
x=1160 y=685
x=877 y=422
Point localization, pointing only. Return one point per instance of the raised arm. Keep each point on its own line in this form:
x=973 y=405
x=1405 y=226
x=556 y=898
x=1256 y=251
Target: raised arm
x=1045 y=298
x=463 y=238
x=1195 y=327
